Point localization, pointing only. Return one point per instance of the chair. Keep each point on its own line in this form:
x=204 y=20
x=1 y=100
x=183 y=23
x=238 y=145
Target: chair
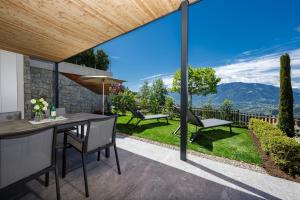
x=99 y=134
x=10 y=116
x=27 y=156
x=140 y=116
x=202 y=124
x=61 y=128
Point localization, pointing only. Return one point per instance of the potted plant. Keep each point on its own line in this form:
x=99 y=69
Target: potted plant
x=39 y=108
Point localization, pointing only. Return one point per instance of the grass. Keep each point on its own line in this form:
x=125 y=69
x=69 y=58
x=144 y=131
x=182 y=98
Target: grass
x=217 y=141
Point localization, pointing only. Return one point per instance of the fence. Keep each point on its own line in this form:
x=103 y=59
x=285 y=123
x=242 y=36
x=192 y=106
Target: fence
x=239 y=118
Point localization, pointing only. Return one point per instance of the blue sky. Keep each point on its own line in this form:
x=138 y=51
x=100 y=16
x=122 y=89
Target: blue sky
x=242 y=40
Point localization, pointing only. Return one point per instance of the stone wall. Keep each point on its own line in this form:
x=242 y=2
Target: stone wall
x=76 y=98
x=39 y=82
x=27 y=88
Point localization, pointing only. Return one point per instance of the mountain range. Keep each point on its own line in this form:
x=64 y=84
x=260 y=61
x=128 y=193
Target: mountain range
x=247 y=97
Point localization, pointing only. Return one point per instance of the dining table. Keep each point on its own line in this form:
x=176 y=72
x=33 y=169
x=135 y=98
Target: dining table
x=19 y=127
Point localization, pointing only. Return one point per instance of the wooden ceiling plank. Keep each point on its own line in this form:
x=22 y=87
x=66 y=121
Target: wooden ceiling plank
x=58 y=29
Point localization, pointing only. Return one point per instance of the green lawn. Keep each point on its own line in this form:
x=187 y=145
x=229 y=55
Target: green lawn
x=217 y=141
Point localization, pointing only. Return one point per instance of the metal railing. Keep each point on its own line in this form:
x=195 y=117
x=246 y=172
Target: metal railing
x=239 y=118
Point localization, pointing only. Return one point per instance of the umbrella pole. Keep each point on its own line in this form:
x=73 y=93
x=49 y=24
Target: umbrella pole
x=103 y=97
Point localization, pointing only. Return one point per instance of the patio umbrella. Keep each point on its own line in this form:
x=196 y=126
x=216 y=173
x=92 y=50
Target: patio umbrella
x=102 y=80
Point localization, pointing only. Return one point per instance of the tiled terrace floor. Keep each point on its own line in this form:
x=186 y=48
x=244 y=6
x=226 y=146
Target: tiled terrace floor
x=153 y=172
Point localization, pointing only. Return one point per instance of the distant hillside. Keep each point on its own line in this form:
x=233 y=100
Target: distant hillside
x=248 y=97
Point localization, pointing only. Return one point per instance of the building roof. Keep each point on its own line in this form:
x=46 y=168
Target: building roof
x=56 y=30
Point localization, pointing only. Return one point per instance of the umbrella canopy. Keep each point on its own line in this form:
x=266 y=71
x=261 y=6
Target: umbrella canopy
x=101 y=80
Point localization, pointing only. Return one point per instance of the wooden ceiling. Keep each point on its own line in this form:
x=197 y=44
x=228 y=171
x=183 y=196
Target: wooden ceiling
x=58 y=29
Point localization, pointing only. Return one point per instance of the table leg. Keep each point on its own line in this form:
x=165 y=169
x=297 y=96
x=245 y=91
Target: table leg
x=64 y=158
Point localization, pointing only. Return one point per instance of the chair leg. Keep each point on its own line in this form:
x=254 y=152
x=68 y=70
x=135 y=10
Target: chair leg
x=230 y=129
x=82 y=131
x=107 y=152
x=98 y=156
x=47 y=179
x=57 y=183
x=167 y=120
x=117 y=159
x=85 y=176
x=64 y=163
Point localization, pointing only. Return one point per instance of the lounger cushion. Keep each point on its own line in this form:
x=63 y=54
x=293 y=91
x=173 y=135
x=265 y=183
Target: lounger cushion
x=214 y=122
x=158 y=116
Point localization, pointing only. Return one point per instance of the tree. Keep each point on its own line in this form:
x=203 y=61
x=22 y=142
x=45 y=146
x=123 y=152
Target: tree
x=122 y=100
x=101 y=60
x=159 y=92
x=226 y=109
x=89 y=58
x=207 y=109
x=158 y=95
x=286 y=101
x=201 y=81
x=144 y=94
x=169 y=107
x=207 y=105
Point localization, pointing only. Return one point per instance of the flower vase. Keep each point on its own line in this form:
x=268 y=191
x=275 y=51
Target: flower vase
x=38 y=116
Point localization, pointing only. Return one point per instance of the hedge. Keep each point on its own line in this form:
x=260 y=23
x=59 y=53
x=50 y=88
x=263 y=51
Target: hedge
x=284 y=151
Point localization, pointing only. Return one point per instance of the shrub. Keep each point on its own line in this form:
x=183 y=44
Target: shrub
x=122 y=100
x=169 y=107
x=207 y=110
x=284 y=151
x=226 y=109
x=154 y=106
x=261 y=129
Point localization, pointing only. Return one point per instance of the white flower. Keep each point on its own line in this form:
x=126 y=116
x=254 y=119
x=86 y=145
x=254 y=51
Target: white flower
x=45 y=103
x=41 y=99
x=45 y=109
x=36 y=107
x=33 y=101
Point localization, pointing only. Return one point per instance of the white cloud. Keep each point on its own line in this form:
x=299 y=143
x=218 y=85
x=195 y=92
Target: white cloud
x=167 y=79
x=152 y=77
x=261 y=69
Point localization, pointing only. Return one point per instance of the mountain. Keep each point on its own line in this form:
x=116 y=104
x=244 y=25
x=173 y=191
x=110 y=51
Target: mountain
x=247 y=97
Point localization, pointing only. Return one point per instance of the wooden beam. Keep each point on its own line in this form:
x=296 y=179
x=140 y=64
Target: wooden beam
x=184 y=80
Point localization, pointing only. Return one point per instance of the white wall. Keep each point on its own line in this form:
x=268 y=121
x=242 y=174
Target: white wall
x=11 y=82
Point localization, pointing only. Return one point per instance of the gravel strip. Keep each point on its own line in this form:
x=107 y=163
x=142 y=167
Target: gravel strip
x=211 y=157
